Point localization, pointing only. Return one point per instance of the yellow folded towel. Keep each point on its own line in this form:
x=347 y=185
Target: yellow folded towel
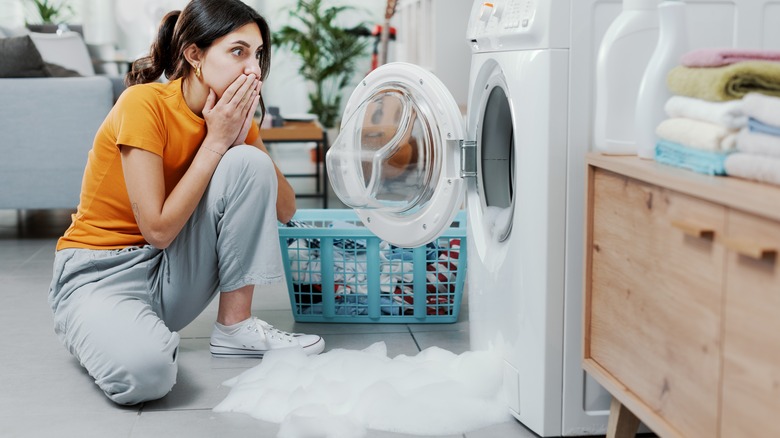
x=725 y=83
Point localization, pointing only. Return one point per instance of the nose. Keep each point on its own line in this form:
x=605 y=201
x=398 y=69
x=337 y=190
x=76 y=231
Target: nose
x=252 y=67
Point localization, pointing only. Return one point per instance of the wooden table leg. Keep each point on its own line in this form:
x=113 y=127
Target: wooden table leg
x=622 y=422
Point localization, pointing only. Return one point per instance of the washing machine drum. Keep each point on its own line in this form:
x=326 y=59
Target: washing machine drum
x=396 y=159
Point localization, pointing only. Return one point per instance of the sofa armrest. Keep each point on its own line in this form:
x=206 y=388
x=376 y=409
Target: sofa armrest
x=118 y=84
x=47 y=126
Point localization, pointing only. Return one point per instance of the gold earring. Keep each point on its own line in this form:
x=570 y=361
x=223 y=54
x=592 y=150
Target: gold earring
x=197 y=72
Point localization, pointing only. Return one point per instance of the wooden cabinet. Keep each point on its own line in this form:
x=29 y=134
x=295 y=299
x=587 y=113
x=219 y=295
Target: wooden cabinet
x=682 y=328
x=751 y=353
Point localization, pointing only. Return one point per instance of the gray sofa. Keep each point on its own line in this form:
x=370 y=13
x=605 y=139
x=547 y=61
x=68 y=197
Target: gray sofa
x=47 y=126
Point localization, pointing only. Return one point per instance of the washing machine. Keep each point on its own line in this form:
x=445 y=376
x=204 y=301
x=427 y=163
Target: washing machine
x=406 y=158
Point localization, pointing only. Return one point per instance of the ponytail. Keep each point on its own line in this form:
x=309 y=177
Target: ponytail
x=161 y=59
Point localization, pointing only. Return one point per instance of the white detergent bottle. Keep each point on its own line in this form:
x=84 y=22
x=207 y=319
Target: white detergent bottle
x=653 y=92
x=622 y=59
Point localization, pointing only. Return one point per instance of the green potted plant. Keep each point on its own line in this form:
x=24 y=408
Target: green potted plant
x=328 y=52
x=52 y=13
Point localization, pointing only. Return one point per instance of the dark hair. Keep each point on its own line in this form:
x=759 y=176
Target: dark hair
x=201 y=23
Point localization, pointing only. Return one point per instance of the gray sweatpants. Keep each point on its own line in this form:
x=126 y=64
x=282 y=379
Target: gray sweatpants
x=117 y=311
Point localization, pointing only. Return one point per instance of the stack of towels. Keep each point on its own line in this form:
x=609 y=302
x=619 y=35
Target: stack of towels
x=758 y=144
x=707 y=114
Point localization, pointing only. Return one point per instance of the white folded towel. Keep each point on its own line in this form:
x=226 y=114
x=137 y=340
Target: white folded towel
x=728 y=114
x=765 y=109
x=757 y=143
x=754 y=167
x=697 y=134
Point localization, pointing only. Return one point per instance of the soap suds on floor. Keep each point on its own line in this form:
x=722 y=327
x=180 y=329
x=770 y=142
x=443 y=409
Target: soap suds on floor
x=342 y=393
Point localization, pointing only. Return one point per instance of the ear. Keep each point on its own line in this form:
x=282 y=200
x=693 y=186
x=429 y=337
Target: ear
x=193 y=54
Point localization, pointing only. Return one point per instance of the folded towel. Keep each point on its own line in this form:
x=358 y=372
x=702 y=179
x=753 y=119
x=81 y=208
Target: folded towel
x=758 y=126
x=697 y=134
x=754 y=167
x=708 y=163
x=757 y=143
x=726 y=83
x=728 y=114
x=763 y=108
x=716 y=57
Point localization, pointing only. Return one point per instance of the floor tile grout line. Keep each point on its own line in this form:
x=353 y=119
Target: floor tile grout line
x=33 y=255
x=413 y=338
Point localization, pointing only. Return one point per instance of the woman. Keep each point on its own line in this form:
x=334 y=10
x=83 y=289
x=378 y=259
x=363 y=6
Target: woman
x=175 y=209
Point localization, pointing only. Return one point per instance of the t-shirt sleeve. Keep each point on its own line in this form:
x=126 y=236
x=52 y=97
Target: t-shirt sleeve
x=138 y=120
x=254 y=132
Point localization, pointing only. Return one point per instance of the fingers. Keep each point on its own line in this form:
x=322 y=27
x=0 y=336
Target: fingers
x=233 y=89
x=211 y=100
x=250 y=117
x=253 y=98
x=244 y=94
x=249 y=104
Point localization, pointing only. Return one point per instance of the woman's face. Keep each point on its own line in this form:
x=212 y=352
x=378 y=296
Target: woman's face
x=231 y=56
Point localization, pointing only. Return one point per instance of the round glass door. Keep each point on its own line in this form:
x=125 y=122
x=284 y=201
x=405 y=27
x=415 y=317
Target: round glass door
x=387 y=147
x=397 y=157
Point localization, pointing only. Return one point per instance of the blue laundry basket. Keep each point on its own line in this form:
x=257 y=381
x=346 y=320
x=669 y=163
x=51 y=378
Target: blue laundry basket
x=338 y=271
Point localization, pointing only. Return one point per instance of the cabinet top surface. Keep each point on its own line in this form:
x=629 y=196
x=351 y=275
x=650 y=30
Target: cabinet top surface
x=752 y=197
x=293 y=131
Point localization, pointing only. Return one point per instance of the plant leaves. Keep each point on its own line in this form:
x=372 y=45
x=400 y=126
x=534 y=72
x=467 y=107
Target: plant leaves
x=328 y=53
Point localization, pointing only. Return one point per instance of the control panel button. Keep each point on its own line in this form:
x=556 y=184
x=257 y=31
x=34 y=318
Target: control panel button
x=486 y=11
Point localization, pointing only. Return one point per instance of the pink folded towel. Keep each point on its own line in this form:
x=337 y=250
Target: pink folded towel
x=716 y=57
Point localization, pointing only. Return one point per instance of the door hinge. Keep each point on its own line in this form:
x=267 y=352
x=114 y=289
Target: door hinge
x=468 y=158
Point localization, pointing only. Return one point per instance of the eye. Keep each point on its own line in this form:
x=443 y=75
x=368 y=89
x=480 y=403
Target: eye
x=238 y=51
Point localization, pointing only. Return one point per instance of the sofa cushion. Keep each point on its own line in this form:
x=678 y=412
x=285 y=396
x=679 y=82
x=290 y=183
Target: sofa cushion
x=66 y=49
x=21 y=58
x=14 y=31
x=58 y=71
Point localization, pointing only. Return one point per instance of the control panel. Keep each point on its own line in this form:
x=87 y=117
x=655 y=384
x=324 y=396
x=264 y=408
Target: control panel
x=507 y=15
x=518 y=23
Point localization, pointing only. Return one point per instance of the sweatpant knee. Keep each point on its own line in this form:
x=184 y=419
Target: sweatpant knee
x=148 y=375
x=251 y=164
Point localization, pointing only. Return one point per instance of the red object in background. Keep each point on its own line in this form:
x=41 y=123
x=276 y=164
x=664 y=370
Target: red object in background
x=377 y=33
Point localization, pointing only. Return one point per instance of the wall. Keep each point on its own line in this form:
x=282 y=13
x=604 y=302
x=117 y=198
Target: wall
x=131 y=25
x=432 y=34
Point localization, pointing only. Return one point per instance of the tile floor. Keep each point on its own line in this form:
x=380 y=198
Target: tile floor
x=44 y=391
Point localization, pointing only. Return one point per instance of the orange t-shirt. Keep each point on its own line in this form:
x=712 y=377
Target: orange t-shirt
x=153 y=117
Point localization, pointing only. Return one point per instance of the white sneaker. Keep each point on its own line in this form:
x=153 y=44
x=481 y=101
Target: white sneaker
x=255 y=337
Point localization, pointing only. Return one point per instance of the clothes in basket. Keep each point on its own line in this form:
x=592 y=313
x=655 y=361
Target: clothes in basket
x=349 y=267
x=339 y=271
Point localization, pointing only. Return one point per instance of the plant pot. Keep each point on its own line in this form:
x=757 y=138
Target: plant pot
x=52 y=28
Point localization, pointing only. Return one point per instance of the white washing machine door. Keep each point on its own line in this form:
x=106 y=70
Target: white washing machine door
x=397 y=158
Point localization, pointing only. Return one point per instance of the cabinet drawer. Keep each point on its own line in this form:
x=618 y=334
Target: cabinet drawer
x=751 y=348
x=655 y=298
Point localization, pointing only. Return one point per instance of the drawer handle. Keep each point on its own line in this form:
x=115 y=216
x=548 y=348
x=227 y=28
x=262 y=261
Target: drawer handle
x=694 y=229
x=750 y=249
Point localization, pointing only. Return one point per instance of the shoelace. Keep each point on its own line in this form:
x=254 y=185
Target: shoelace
x=270 y=331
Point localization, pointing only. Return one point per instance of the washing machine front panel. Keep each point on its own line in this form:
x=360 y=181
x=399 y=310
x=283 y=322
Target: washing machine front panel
x=397 y=159
x=515 y=270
